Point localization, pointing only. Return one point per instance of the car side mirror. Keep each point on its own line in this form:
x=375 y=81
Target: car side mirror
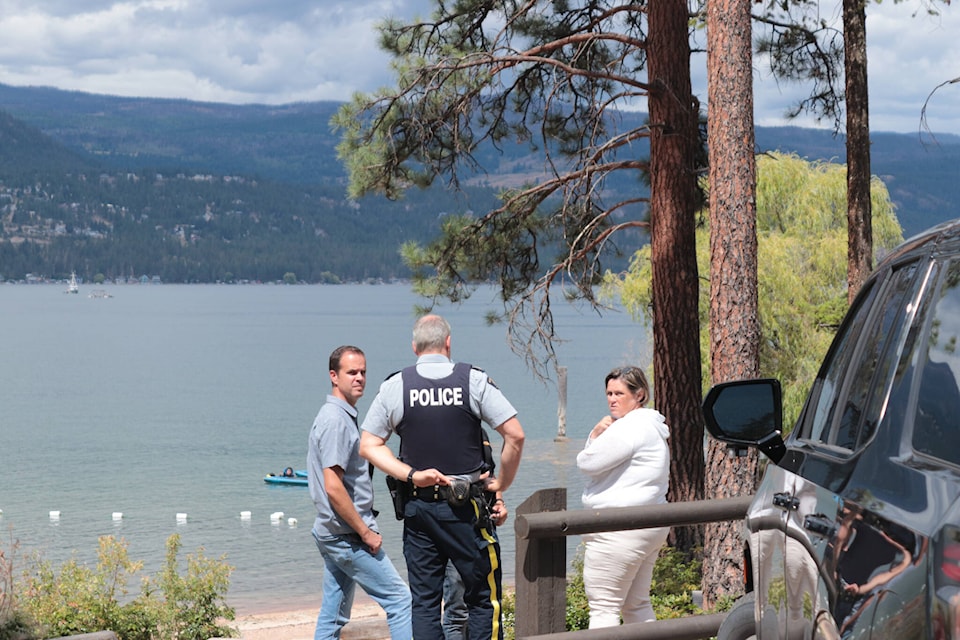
x=747 y=413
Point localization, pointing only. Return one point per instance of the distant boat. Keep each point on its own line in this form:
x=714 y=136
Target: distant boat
x=290 y=480
x=73 y=286
x=288 y=476
x=100 y=293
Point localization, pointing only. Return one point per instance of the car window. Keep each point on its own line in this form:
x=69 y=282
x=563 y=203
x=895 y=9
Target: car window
x=856 y=378
x=828 y=383
x=935 y=431
x=877 y=363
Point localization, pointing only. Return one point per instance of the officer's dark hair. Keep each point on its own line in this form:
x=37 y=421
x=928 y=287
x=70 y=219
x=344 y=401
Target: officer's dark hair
x=430 y=333
x=338 y=353
x=633 y=378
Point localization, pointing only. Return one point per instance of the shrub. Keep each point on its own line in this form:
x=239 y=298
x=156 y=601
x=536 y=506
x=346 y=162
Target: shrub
x=578 y=610
x=509 y=605
x=193 y=603
x=14 y=622
x=675 y=578
x=78 y=599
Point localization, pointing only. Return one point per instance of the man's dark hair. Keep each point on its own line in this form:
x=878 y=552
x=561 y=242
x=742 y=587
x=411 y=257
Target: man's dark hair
x=338 y=353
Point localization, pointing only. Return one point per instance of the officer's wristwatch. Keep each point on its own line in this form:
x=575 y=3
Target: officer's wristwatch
x=410 y=475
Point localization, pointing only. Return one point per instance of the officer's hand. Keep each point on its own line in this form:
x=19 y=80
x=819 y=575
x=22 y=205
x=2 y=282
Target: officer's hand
x=429 y=477
x=373 y=540
x=492 y=485
x=498 y=512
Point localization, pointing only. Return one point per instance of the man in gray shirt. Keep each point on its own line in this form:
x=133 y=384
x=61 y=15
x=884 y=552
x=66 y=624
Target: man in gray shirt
x=345 y=529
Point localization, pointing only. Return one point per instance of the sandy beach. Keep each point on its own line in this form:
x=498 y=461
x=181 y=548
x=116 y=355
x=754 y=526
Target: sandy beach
x=368 y=622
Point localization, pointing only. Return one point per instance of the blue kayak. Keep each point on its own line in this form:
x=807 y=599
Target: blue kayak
x=295 y=480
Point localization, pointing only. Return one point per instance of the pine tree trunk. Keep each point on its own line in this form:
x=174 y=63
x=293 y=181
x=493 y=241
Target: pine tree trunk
x=859 y=212
x=675 y=284
x=734 y=317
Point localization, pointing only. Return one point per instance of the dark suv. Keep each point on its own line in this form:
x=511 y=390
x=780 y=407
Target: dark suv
x=855 y=529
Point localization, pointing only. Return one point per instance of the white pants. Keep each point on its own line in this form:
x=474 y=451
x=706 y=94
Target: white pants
x=617 y=571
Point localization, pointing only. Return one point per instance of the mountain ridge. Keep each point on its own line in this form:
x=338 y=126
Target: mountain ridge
x=279 y=163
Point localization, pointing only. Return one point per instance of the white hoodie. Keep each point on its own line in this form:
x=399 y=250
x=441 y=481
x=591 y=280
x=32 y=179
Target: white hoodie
x=629 y=463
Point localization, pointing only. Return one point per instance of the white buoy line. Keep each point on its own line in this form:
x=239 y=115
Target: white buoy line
x=181 y=518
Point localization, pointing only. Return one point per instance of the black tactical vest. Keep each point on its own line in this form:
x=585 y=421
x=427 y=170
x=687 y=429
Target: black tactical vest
x=438 y=429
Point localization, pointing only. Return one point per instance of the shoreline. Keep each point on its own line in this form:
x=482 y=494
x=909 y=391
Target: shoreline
x=276 y=622
x=270 y=606
x=367 y=621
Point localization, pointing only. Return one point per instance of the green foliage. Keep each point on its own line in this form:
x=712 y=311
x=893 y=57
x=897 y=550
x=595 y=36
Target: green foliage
x=675 y=577
x=15 y=624
x=578 y=609
x=542 y=92
x=509 y=616
x=80 y=599
x=76 y=598
x=802 y=245
x=193 y=602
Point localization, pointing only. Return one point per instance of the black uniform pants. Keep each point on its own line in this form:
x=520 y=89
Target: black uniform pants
x=433 y=532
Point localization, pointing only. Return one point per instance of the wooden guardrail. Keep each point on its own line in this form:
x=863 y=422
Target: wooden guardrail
x=542 y=524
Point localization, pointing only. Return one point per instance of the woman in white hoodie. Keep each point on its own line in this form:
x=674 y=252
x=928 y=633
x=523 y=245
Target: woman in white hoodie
x=627 y=463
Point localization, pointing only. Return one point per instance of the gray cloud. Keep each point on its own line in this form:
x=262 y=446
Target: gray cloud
x=254 y=51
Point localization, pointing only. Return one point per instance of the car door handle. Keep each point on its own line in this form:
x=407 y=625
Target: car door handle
x=819 y=524
x=786 y=501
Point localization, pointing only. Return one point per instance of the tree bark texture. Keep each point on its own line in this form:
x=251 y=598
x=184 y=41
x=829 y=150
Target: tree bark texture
x=734 y=317
x=675 y=282
x=859 y=211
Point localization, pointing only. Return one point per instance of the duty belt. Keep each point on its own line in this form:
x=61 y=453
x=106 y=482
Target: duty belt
x=456 y=494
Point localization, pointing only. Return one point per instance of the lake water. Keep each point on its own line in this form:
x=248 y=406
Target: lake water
x=178 y=399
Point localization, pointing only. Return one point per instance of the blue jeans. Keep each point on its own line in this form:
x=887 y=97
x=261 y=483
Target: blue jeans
x=347 y=563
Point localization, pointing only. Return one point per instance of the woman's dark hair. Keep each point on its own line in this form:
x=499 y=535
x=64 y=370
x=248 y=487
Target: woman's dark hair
x=633 y=378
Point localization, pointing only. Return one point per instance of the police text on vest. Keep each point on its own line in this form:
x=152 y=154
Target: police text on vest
x=446 y=397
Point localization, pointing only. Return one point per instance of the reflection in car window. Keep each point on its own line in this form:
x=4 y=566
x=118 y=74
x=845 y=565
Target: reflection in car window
x=895 y=417
x=876 y=365
x=829 y=380
x=935 y=431
x=845 y=418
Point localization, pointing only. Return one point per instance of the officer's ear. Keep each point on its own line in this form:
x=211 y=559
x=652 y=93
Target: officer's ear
x=413 y=345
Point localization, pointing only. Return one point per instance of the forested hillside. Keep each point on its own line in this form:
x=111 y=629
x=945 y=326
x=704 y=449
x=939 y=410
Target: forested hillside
x=192 y=200
x=63 y=213
x=200 y=192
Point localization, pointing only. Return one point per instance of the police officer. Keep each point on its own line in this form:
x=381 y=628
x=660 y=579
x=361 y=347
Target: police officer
x=436 y=408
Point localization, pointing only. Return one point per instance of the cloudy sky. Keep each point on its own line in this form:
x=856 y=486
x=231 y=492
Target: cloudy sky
x=275 y=52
